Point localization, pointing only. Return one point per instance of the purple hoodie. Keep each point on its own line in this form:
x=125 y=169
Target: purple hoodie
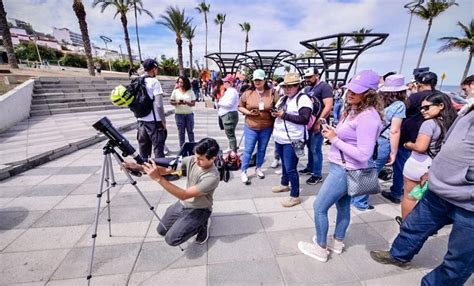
x=356 y=137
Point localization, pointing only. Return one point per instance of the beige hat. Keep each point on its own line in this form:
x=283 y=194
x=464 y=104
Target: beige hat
x=291 y=79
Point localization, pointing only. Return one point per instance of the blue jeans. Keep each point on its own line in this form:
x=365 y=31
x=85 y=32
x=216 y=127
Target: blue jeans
x=397 y=185
x=333 y=191
x=337 y=111
x=252 y=137
x=289 y=161
x=185 y=123
x=315 y=153
x=428 y=216
x=383 y=152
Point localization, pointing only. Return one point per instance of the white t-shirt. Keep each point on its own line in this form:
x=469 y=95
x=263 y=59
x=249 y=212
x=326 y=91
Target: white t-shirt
x=228 y=102
x=153 y=87
x=296 y=131
x=187 y=96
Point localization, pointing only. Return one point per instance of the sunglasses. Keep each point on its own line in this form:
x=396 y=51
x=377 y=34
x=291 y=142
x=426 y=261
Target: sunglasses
x=425 y=108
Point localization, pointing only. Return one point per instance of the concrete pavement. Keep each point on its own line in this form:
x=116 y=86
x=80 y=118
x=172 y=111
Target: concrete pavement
x=46 y=217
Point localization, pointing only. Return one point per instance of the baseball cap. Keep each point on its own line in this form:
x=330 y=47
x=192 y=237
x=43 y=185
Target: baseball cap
x=258 y=74
x=149 y=64
x=363 y=81
x=426 y=78
x=310 y=71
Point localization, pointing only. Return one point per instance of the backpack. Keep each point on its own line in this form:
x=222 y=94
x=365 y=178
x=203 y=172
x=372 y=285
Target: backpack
x=142 y=104
x=316 y=111
x=232 y=161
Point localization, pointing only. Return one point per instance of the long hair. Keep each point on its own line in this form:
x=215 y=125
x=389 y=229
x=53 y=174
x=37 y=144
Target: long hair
x=445 y=118
x=389 y=97
x=370 y=98
x=186 y=82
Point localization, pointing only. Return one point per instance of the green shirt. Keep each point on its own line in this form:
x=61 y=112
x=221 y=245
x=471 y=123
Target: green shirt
x=187 y=96
x=206 y=181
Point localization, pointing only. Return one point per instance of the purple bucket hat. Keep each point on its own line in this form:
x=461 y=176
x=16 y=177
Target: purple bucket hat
x=363 y=81
x=395 y=82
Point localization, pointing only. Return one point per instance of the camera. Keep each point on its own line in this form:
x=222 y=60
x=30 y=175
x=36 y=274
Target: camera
x=117 y=140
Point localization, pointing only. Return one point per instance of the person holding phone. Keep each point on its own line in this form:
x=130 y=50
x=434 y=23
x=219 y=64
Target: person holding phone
x=227 y=111
x=183 y=99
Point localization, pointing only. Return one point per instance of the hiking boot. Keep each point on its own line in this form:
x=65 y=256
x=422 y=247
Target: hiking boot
x=291 y=202
x=280 y=188
x=313 y=180
x=305 y=171
x=389 y=197
x=203 y=234
x=275 y=163
x=244 y=178
x=384 y=257
x=259 y=173
x=313 y=250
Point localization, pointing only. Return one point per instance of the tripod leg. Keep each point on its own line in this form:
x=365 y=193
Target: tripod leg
x=110 y=184
x=103 y=179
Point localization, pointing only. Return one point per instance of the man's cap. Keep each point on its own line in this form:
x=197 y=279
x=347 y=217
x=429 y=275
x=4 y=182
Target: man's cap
x=426 y=78
x=310 y=71
x=363 y=81
x=149 y=64
x=258 y=74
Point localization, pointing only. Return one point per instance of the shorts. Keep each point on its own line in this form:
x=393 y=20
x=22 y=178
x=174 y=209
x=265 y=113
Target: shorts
x=414 y=169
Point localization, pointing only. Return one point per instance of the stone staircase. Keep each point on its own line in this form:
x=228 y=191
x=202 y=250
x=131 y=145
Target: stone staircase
x=53 y=95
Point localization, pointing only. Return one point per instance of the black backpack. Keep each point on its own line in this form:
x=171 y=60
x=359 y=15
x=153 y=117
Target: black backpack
x=142 y=105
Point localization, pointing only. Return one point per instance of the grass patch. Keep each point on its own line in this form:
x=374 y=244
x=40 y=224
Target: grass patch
x=4 y=88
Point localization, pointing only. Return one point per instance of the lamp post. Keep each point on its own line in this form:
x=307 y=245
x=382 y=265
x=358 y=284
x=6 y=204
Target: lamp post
x=411 y=6
x=34 y=37
x=107 y=40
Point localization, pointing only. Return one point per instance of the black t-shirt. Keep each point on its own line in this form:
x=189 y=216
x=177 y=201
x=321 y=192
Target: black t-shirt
x=412 y=123
x=321 y=91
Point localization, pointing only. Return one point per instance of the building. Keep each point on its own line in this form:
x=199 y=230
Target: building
x=64 y=35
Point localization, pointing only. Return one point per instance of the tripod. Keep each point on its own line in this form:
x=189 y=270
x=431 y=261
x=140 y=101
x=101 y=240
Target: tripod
x=107 y=178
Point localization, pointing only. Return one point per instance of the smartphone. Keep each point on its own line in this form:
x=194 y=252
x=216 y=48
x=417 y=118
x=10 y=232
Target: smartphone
x=324 y=123
x=273 y=110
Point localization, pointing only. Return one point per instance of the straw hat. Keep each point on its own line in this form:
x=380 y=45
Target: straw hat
x=291 y=79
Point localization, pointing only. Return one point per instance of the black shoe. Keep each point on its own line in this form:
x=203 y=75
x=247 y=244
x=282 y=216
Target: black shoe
x=368 y=209
x=313 y=180
x=399 y=220
x=203 y=234
x=389 y=197
x=384 y=257
x=305 y=171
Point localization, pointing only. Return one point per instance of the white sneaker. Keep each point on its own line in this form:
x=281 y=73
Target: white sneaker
x=333 y=244
x=275 y=163
x=313 y=250
x=259 y=173
x=244 y=178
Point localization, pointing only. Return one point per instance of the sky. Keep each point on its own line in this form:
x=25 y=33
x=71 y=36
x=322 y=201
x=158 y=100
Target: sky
x=275 y=24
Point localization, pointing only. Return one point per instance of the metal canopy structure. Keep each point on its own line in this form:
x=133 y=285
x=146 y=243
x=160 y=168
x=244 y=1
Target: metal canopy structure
x=338 y=52
x=305 y=62
x=268 y=60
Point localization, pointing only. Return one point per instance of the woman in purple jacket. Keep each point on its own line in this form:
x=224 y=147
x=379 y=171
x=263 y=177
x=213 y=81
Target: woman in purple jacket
x=355 y=137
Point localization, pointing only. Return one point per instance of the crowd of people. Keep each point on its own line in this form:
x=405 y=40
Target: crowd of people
x=377 y=121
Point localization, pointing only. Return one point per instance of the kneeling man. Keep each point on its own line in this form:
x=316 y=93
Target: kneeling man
x=191 y=214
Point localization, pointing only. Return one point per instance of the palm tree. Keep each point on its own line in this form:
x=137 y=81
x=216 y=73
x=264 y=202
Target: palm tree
x=139 y=10
x=432 y=10
x=219 y=20
x=7 y=38
x=466 y=43
x=80 y=12
x=122 y=7
x=344 y=42
x=175 y=20
x=359 y=39
x=245 y=26
x=204 y=8
x=189 y=35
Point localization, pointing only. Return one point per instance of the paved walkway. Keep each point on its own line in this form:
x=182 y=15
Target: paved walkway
x=46 y=217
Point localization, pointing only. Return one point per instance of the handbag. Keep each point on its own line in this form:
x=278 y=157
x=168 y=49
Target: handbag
x=297 y=145
x=361 y=181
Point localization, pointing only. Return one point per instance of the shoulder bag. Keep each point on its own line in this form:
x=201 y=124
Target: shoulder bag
x=362 y=181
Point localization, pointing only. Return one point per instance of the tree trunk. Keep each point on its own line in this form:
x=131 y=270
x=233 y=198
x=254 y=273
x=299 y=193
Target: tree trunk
x=190 y=59
x=7 y=38
x=205 y=21
x=430 y=22
x=123 y=18
x=468 y=66
x=179 y=43
x=136 y=31
x=246 y=41
x=220 y=37
x=78 y=8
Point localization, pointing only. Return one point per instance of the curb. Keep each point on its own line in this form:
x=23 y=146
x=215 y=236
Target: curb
x=15 y=168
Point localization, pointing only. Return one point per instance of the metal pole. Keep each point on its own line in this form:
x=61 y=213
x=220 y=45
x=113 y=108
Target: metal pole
x=406 y=43
x=37 y=50
x=121 y=54
x=106 y=53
